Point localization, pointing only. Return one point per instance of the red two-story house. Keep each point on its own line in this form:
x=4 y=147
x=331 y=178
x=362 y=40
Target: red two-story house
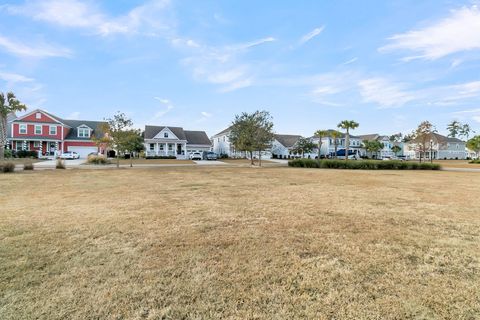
x=49 y=135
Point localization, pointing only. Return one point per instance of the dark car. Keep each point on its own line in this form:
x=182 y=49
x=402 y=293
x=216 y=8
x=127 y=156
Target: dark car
x=210 y=155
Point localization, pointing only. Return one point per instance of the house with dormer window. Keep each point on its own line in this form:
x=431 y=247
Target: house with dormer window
x=166 y=141
x=49 y=135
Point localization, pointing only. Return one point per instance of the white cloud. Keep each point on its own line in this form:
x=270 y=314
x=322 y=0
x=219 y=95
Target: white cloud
x=258 y=42
x=456 y=33
x=312 y=34
x=349 y=61
x=13 y=77
x=41 y=50
x=87 y=15
x=384 y=93
x=206 y=114
x=163 y=112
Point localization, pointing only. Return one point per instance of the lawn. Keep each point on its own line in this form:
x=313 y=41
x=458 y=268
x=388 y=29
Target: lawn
x=239 y=243
x=245 y=162
x=22 y=160
x=153 y=161
x=457 y=164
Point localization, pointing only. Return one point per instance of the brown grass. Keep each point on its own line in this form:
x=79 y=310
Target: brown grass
x=244 y=162
x=458 y=164
x=21 y=160
x=239 y=243
x=153 y=161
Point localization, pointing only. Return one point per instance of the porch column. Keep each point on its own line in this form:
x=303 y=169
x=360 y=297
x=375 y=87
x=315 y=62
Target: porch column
x=166 y=149
x=175 y=150
x=185 y=155
x=157 y=149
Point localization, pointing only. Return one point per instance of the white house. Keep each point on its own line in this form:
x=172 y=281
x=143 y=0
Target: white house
x=163 y=141
x=439 y=147
x=328 y=144
x=386 y=151
x=283 y=144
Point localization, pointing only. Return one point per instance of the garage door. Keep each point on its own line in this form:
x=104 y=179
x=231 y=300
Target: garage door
x=83 y=151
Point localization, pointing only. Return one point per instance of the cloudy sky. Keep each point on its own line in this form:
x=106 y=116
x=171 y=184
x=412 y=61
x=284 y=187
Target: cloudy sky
x=386 y=64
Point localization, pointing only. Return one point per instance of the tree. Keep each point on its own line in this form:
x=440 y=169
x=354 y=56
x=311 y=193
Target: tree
x=252 y=132
x=423 y=135
x=335 y=135
x=347 y=125
x=116 y=129
x=454 y=128
x=303 y=146
x=465 y=131
x=320 y=134
x=474 y=145
x=373 y=146
x=8 y=105
x=397 y=137
x=131 y=142
x=396 y=149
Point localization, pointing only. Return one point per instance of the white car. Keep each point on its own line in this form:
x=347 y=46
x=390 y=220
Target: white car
x=196 y=156
x=70 y=155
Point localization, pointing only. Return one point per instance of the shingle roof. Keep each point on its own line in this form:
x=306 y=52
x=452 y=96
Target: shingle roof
x=442 y=139
x=197 y=137
x=287 y=140
x=369 y=137
x=96 y=126
x=152 y=131
x=342 y=135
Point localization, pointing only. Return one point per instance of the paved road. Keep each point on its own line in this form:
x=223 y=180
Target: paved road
x=461 y=169
x=210 y=163
x=53 y=163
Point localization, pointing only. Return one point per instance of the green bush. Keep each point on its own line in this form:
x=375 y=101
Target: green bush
x=28 y=166
x=363 y=164
x=476 y=161
x=26 y=154
x=6 y=167
x=98 y=160
x=161 y=157
x=8 y=153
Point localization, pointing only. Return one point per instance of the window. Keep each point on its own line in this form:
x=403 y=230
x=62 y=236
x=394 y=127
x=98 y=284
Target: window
x=22 y=129
x=162 y=147
x=165 y=134
x=19 y=146
x=84 y=132
x=36 y=144
x=38 y=115
x=38 y=129
x=170 y=147
x=53 y=130
x=152 y=146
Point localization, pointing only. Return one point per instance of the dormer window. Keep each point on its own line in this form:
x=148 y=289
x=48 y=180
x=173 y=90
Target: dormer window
x=38 y=115
x=165 y=134
x=84 y=132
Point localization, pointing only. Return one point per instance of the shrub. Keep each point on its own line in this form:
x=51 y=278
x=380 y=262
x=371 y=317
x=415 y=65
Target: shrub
x=98 y=160
x=60 y=164
x=28 y=166
x=477 y=161
x=8 y=153
x=363 y=164
x=26 y=154
x=161 y=157
x=7 y=167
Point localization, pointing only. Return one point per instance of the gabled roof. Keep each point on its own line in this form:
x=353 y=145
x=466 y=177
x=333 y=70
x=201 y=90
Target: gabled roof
x=152 y=131
x=96 y=127
x=197 y=138
x=441 y=139
x=60 y=120
x=287 y=140
x=369 y=137
x=223 y=132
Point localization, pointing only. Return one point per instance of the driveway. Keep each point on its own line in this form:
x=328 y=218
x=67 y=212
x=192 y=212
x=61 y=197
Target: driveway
x=53 y=163
x=209 y=163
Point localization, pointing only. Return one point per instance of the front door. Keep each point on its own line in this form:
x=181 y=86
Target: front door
x=179 y=149
x=51 y=148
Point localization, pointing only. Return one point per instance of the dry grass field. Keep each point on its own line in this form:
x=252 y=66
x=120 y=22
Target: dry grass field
x=239 y=243
x=458 y=164
x=153 y=161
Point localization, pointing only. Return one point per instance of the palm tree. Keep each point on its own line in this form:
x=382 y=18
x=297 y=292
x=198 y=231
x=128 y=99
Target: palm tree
x=320 y=134
x=347 y=125
x=335 y=135
x=8 y=105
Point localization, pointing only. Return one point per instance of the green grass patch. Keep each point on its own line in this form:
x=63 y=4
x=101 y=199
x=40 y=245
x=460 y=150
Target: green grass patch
x=363 y=164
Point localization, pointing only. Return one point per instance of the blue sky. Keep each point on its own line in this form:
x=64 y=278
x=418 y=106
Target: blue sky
x=386 y=64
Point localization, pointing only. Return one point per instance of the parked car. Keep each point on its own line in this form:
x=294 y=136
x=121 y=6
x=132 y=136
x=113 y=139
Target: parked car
x=209 y=155
x=71 y=155
x=352 y=154
x=195 y=156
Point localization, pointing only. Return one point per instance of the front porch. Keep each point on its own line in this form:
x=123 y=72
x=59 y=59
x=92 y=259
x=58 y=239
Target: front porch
x=166 y=149
x=45 y=148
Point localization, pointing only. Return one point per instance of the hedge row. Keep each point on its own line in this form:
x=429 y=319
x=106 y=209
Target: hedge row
x=476 y=161
x=160 y=157
x=363 y=164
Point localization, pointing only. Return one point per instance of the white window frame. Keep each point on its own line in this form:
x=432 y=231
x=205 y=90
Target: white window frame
x=165 y=134
x=151 y=146
x=38 y=115
x=162 y=147
x=50 y=130
x=22 y=126
x=41 y=129
x=170 y=147
x=36 y=144
x=83 y=130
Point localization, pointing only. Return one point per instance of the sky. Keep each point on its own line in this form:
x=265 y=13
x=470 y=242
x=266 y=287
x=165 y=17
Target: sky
x=196 y=64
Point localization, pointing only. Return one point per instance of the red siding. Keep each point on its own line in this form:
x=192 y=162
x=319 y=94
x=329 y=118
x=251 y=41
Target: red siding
x=31 y=131
x=44 y=118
